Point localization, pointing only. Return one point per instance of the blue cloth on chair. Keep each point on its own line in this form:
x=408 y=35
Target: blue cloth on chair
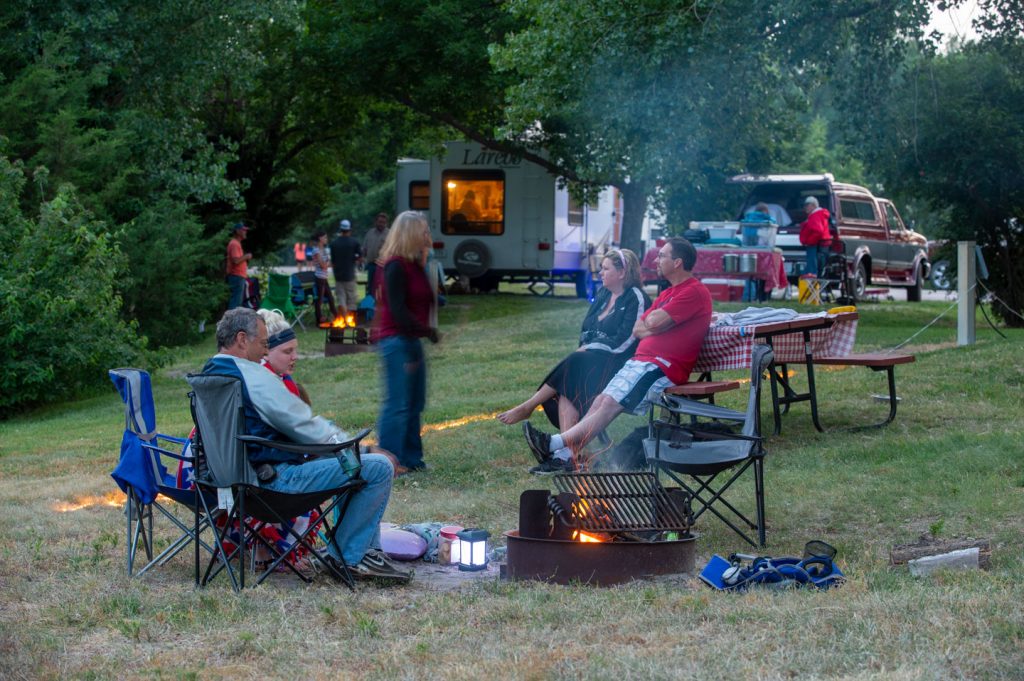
x=134 y=468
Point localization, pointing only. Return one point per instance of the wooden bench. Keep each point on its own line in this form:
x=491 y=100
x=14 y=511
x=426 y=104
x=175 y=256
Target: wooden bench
x=700 y=390
x=876 y=361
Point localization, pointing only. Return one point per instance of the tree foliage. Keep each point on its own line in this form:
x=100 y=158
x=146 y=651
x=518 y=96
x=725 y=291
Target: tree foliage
x=59 y=320
x=956 y=141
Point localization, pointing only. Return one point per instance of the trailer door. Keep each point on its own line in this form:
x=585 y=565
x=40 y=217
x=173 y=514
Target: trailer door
x=536 y=206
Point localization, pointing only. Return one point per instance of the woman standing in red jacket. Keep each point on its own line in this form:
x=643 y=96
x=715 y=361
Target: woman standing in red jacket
x=405 y=300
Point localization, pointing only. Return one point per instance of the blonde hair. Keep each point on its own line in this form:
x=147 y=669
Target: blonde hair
x=626 y=260
x=274 y=320
x=404 y=239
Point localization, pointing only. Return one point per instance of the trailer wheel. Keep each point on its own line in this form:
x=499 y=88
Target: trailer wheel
x=472 y=258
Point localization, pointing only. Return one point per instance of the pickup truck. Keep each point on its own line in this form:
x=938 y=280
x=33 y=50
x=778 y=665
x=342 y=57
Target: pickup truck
x=880 y=249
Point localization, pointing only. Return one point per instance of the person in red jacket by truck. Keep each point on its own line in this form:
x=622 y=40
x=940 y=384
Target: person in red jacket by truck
x=815 y=236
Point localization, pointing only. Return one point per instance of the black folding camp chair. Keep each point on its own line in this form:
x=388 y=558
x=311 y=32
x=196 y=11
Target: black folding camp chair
x=146 y=482
x=685 y=446
x=224 y=470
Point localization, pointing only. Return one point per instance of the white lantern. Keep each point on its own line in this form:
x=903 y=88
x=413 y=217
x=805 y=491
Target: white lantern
x=470 y=549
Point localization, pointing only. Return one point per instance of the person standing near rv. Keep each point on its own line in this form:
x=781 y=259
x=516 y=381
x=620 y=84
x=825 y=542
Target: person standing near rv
x=372 y=244
x=322 y=290
x=237 y=269
x=345 y=255
x=405 y=301
x=815 y=236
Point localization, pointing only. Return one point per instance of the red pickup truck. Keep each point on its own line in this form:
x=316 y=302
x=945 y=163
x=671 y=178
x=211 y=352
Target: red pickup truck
x=880 y=249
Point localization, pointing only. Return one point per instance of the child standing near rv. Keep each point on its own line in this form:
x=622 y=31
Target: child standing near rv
x=323 y=287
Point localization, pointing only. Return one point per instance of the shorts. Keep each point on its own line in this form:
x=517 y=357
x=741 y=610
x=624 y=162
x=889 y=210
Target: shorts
x=634 y=383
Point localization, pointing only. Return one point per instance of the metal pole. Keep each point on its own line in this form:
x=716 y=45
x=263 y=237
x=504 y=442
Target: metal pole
x=966 y=292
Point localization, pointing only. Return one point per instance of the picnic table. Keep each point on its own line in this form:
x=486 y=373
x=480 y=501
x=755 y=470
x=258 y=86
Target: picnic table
x=795 y=341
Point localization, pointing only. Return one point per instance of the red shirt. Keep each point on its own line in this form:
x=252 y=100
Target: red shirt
x=410 y=315
x=675 y=351
x=235 y=251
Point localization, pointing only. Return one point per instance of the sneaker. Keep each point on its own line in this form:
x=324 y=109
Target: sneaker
x=539 y=442
x=323 y=564
x=552 y=466
x=376 y=565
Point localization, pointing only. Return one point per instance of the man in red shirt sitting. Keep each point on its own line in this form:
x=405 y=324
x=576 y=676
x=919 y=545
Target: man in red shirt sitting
x=671 y=333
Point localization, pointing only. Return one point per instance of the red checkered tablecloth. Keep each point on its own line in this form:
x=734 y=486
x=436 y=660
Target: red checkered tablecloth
x=769 y=265
x=729 y=347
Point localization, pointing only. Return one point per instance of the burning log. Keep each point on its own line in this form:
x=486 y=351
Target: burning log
x=346 y=334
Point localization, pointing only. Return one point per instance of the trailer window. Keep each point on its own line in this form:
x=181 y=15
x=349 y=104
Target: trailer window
x=473 y=202
x=419 y=195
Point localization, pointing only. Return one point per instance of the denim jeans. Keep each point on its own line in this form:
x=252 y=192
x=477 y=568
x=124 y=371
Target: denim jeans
x=404 y=375
x=812 y=264
x=236 y=284
x=359 y=529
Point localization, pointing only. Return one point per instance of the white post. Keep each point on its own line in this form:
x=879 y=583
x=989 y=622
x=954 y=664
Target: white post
x=966 y=277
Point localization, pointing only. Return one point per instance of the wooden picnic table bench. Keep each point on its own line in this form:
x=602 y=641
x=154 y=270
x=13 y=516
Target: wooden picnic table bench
x=876 y=361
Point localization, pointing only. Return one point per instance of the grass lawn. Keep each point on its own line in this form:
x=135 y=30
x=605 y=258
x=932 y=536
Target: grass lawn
x=950 y=464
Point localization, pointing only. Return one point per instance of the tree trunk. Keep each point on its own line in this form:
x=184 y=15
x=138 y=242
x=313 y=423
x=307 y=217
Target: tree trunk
x=634 y=206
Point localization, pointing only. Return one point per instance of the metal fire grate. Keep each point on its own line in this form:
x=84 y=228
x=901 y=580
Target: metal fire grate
x=621 y=502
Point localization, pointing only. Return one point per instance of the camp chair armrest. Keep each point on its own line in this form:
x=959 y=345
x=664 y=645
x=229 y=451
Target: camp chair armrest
x=300 y=448
x=685 y=406
x=166 y=452
x=171 y=438
x=700 y=432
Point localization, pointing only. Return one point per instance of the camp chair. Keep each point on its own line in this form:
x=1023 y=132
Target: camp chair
x=224 y=470
x=142 y=476
x=302 y=284
x=693 y=453
x=279 y=297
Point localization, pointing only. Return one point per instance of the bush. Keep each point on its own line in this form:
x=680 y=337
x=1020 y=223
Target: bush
x=175 y=277
x=60 y=322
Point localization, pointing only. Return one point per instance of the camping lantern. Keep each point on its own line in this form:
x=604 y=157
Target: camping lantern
x=471 y=549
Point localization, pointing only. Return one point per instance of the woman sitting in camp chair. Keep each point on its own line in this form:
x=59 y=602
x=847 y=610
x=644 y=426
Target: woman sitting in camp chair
x=606 y=342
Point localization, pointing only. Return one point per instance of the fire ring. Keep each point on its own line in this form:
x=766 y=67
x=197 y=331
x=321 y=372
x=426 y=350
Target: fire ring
x=559 y=561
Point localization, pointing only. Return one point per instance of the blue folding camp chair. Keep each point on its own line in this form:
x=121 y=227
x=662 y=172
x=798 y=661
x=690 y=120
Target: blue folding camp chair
x=145 y=480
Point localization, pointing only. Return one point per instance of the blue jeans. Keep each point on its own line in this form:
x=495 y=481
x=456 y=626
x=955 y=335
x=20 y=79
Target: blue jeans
x=812 y=265
x=237 y=286
x=371 y=270
x=405 y=394
x=359 y=529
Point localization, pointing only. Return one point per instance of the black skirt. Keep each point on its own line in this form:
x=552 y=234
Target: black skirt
x=581 y=377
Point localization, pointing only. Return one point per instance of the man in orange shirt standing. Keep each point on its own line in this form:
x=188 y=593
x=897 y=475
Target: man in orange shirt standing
x=237 y=265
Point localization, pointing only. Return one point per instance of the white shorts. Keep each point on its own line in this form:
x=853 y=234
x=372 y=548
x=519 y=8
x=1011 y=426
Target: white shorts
x=634 y=383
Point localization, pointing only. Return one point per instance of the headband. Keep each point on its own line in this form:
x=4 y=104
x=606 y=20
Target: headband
x=281 y=337
x=618 y=252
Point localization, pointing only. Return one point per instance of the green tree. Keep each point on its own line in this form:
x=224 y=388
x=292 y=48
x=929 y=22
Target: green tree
x=59 y=320
x=956 y=140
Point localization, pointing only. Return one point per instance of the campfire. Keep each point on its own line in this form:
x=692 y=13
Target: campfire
x=601 y=528
x=346 y=334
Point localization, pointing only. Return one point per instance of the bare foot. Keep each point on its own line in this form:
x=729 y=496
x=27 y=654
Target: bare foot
x=514 y=415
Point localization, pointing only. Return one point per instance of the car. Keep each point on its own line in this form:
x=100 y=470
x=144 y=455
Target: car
x=879 y=248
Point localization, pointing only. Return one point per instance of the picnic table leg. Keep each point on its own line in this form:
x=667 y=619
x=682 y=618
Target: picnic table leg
x=773 y=375
x=812 y=393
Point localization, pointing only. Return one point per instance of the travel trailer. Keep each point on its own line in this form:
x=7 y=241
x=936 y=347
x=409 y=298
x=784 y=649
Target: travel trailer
x=496 y=217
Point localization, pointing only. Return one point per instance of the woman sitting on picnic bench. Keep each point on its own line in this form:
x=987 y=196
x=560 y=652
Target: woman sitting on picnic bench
x=606 y=342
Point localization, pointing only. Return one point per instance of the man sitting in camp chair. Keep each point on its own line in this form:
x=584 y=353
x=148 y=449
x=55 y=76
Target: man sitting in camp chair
x=670 y=332
x=273 y=413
